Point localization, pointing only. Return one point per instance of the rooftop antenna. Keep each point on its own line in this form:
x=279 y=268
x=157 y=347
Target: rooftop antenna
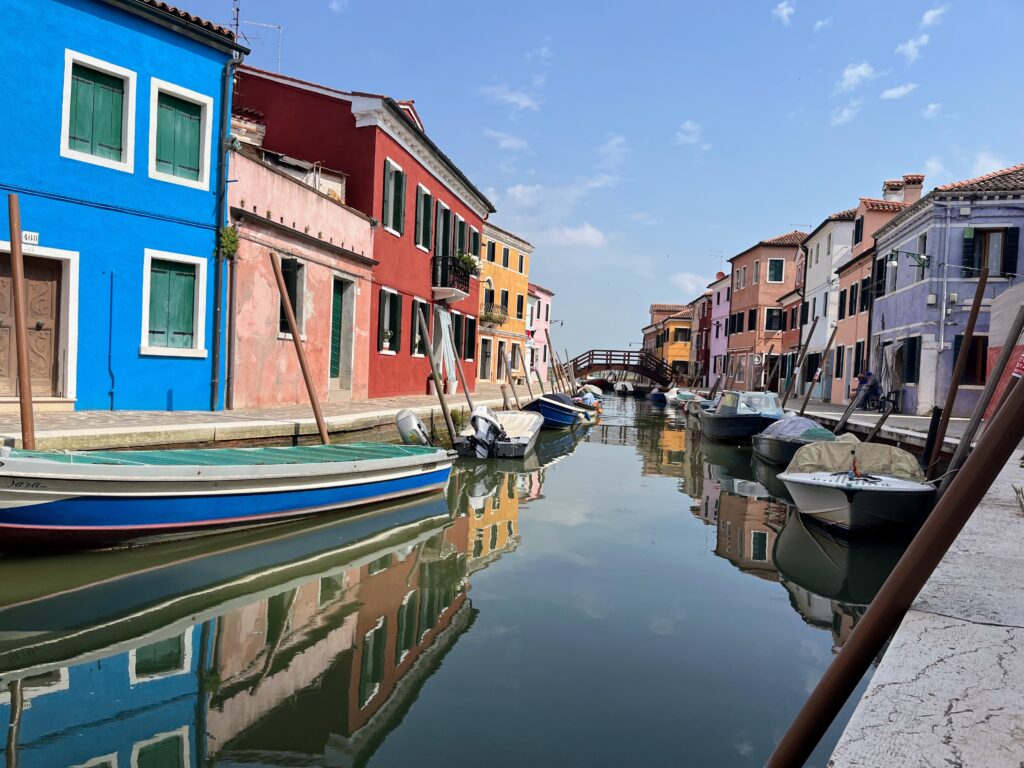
x=280 y=31
x=236 y=11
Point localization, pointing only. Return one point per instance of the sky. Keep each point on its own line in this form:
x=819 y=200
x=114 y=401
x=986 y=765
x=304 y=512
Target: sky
x=639 y=146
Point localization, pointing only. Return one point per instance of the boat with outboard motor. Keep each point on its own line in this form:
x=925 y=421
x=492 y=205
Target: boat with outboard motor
x=859 y=486
x=499 y=434
x=740 y=415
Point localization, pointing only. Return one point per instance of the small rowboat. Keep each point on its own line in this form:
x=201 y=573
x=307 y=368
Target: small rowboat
x=559 y=411
x=106 y=497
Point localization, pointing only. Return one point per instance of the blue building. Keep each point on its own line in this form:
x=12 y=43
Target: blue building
x=114 y=133
x=927 y=266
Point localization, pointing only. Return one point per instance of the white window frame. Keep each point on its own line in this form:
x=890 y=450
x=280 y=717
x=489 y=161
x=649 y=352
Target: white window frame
x=393 y=292
x=181 y=733
x=757 y=271
x=448 y=242
x=768 y=276
x=127 y=163
x=476 y=334
x=388 y=161
x=782 y=313
x=300 y=294
x=474 y=231
x=456 y=245
x=110 y=759
x=415 y=233
x=186 y=661
x=412 y=348
x=199 y=306
x=156 y=87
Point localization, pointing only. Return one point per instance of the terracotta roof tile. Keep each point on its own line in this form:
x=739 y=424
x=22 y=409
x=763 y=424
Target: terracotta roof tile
x=913 y=178
x=883 y=206
x=685 y=314
x=191 y=18
x=790 y=238
x=847 y=215
x=667 y=307
x=1007 y=179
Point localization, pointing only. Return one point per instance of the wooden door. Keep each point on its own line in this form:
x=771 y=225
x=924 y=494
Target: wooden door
x=337 y=294
x=42 y=289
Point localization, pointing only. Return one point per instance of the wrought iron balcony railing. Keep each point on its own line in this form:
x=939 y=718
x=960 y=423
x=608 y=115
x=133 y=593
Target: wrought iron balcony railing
x=451 y=278
x=493 y=314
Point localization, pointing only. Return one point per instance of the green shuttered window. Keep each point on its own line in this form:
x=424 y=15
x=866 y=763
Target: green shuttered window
x=178 y=137
x=172 y=294
x=389 y=321
x=424 y=216
x=393 y=213
x=337 y=306
x=96 y=113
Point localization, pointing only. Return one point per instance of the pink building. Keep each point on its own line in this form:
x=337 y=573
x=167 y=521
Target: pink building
x=718 y=337
x=537 y=327
x=297 y=211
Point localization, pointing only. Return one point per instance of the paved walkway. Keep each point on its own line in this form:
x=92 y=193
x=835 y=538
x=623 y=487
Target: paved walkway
x=128 y=429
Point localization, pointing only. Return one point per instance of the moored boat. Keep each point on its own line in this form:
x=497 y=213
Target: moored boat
x=557 y=413
x=859 y=486
x=740 y=415
x=779 y=441
x=499 y=434
x=110 y=497
x=657 y=397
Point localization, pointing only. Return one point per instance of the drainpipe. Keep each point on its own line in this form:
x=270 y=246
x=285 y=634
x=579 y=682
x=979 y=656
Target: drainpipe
x=218 y=278
x=229 y=377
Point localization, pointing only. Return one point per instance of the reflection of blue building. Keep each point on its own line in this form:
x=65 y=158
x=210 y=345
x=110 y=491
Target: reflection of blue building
x=137 y=708
x=111 y=143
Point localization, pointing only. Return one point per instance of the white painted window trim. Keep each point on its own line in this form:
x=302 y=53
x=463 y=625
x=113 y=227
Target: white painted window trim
x=300 y=318
x=156 y=87
x=392 y=291
x=62 y=684
x=413 y=346
x=416 y=220
x=765 y=558
x=768 y=276
x=110 y=760
x=181 y=733
x=127 y=164
x=388 y=161
x=476 y=333
x=186 y=661
x=199 y=312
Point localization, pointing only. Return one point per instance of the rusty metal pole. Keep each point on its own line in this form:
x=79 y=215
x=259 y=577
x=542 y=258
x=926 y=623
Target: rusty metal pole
x=28 y=425
x=958 y=371
x=817 y=373
x=293 y=328
x=452 y=433
x=802 y=350
x=994 y=376
x=896 y=596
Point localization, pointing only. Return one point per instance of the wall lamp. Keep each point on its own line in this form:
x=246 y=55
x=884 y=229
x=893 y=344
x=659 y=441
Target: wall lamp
x=922 y=260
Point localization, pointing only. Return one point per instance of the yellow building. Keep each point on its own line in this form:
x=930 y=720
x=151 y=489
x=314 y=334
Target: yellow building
x=493 y=521
x=669 y=334
x=504 y=286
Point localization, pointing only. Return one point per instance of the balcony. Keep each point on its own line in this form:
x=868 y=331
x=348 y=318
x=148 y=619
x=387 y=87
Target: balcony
x=493 y=314
x=450 y=279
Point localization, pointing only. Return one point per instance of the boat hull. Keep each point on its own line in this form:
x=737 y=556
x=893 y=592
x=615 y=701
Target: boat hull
x=776 y=451
x=850 y=504
x=739 y=428
x=556 y=415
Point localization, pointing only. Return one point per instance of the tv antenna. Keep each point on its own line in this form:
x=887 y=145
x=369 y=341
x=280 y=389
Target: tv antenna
x=280 y=31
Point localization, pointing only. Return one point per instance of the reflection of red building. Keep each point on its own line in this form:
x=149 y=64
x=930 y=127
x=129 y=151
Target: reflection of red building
x=429 y=213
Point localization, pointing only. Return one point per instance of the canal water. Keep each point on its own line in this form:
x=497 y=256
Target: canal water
x=628 y=596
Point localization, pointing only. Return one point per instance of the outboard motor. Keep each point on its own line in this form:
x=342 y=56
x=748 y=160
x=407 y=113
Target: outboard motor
x=486 y=431
x=411 y=428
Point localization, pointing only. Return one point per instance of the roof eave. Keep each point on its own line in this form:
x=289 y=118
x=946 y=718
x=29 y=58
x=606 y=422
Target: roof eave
x=178 y=24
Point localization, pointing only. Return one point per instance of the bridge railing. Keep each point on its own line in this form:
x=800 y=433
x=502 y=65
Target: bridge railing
x=639 y=361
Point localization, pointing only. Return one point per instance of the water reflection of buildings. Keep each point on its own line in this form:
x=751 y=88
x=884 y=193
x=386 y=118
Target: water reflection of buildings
x=747 y=527
x=304 y=648
x=493 y=512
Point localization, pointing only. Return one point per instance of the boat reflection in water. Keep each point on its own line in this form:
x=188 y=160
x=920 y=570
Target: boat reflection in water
x=300 y=645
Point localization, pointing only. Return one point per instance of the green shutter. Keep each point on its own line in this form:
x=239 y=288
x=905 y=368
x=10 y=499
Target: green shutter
x=418 y=226
x=159 y=280
x=439 y=227
x=396 y=322
x=171 y=304
x=382 y=319
x=470 y=343
x=969 y=260
x=385 y=217
x=96 y=113
x=399 y=223
x=336 y=309
x=457 y=321
x=178 y=137
x=428 y=212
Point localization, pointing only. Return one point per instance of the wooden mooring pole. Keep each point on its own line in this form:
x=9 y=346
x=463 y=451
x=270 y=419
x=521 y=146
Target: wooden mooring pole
x=817 y=373
x=896 y=596
x=28 y=425
x=802 y=349
x=436 y=378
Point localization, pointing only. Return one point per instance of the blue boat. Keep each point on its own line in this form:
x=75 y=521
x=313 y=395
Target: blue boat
x=558 y=414
x=657 y=397
x=106 y=497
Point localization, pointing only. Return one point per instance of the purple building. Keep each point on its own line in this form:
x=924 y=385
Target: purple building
x=718 y=341
x=927 y=265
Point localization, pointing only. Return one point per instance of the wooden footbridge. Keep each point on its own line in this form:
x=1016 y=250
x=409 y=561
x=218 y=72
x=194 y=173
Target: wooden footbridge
x=640 y=362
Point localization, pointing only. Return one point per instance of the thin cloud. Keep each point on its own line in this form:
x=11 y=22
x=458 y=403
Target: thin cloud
x=689 y=283
x=539 y=81
x=911 y=50
x=691 y=133
x=542 y=54
x=505 y=140
x=844 y=115
x=585 y=235
x=784 y=12
x=822 y=23
x=505 y=95
x=643 y=217
x=613 y=151
x=338 y=6
x=934 y=16
x=935 y=169
x=986 y=162
x=854 y=75
x=931 y=111
x=899 y=91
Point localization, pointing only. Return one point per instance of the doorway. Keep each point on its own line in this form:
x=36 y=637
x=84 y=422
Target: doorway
x=43 y=286
x=339 y=386
x=485 y=360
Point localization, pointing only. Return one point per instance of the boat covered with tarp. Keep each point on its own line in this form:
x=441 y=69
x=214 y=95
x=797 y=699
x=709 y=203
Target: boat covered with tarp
x=780 y=440
x=860 y=485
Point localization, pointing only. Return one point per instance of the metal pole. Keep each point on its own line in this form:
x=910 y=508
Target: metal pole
x=896 y=596
x=817 y=373
x=878 y=424
x=994 y=376
x=28 y=425
x=436 y=378
x=802 y=349
x=293 y=328
x=958 y=372
x=511 y=384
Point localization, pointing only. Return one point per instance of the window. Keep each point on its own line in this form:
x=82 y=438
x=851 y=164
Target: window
x=840 y=355
x=371 y=672
x=389 y=322
x=911 y=359
x=773 y=319
x=461 y=234
x=752 y=319
x=294 y=273
x=759 y=545
x=817 y=252
x=804 y=307
x=519 y=306
x=173 y=305
x=424 y=217
x=522 y=263
x=977 y=354
x=470 y=339
x=757 y=271
x=417 y=343
x=994 y=248
x=743 y=278
x=878 y=278
x=98 y=113
x=406 y=637
x=457 y=335
x=858 y=230
x=504 y=300
x=776 y=270
x=842 y=304
x=490 y=250
x=393 y=212
x=547 y=311
x=160 y=659
x=677 y=334
x=794 y=318
x=890 y=276
x=741 y=368
x=922 y=250
x=728 y=293
x=474 y=242
x=858 y=358
x=865 y=294
x=168 y=750
x=828 y=246
x=504 y=257
x=442 y=230
x=853 y=299
x=783 y=314
x=180 y=135
x=814 y=306
x=738 y=322
x=718 y=298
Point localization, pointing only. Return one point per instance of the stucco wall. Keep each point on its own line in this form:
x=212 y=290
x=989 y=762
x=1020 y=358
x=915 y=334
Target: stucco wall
x=720 y=303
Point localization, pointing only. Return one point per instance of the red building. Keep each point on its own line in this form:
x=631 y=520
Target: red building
x=428 y=210
x=702 y=348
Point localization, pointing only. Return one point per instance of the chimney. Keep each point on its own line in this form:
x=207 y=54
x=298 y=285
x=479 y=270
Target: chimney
x=913 y=183
x=892 y=189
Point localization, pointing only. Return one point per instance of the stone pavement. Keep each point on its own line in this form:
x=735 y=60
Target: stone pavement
x=132 y=429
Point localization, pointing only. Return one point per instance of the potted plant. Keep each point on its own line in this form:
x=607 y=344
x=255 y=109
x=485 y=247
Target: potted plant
x=387 y=338
x=469 y=263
